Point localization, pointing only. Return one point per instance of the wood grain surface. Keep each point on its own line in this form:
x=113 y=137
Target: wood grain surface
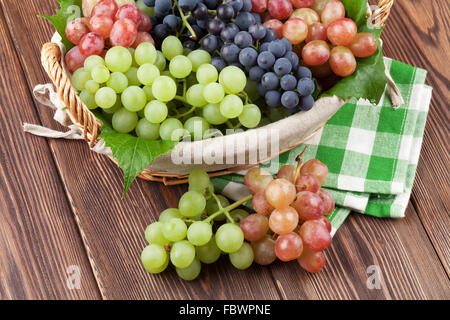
x=71 y=212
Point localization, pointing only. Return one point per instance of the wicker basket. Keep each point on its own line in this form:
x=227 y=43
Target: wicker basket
x=80 y=115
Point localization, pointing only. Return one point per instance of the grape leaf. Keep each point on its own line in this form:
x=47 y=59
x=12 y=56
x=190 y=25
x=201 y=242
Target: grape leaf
x=69 y=10
x=133 y=154
x=369 y=80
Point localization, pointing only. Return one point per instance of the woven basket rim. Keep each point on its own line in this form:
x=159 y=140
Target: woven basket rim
x=81 y=116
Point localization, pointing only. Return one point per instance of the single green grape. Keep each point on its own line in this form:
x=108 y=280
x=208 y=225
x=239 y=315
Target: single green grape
x=134 y=98
x=194 y=95
x=154 y=234
x=88 y=99
x=250 y=116
x=192 y=203
x=190 y=272
x=174 y=229
x=91 y=86
x=229 y=238
x=231 y=106
x=196 y=126
x=148 y=92
x=105 y=97
x=160 y=61
x=164 y=88
x=147 y=130
x=93 y=61
x=158 y=270
x=211 y=112
x=198 y=180
x=238 y=215
x=153 y=256
x=243 y=258
x=124 y=121
x=213 y=92
x=145 y=53
x=180 y=67
x=147 y=73
x=79 y=78
x=100 y=74
x=207 y=73
x=208 y=253
x=132 y=76
x=156 y=111
x=171 y=47
x=232 y=79
x=118 y=59
x=118 y=82
x=199 y=233
x=182 y=254
x=171 y=129
x=199 y=57
x=168 y=214
x=150 y=11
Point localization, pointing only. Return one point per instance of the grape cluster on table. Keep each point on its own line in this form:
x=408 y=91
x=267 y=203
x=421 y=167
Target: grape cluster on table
x=289 y=223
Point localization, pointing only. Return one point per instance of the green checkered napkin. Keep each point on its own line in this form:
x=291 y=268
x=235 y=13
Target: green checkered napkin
x=371 y=151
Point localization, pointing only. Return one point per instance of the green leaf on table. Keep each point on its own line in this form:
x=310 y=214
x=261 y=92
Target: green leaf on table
x=69 y=10
x=133 y=154
x=369 y=80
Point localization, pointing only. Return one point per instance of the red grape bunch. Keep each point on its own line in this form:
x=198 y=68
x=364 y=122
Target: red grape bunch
x=290 y=222
x=108 y=25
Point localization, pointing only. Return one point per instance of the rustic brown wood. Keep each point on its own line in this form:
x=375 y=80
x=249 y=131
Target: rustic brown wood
x=418 y=34
x=411 y=252
x=113 y=230
x=39 y=239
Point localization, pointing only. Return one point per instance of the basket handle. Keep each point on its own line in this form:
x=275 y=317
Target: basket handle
x=381 y=14
x=78 y=112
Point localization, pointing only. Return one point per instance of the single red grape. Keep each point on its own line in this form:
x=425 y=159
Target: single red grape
x=315 y=235
x=264 y=251
x=316 y=31
x=287 y=172
x=123 y=33
x=324 y=220
x=146 y=24
x=102 y=25
x=280 y=193
x=342 y=61
x=74 y=59
x=328 y=201
x=283 y=221
x=92 y=43
x=276 y=25
x=333 y=10
x=364 y=45
x=260 y=204
x=254 y=227
x=316 y=168
x=280 y=9
x=288 y=246
x=295 y=30
x=311 y=261
x=105 y=8
x=142 y=37
x=309 y=206
x=76 y=29
x=257 y=179
x=259 y=6
x=307 y=182
x=129 y=11
x=302 y=3
x=316 y=53
x=341 y=32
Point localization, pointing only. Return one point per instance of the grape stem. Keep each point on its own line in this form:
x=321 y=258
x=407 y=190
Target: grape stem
x=225 y=211
x=299 y=164
x=185 y=22
x=186 y=113
x=230 y=207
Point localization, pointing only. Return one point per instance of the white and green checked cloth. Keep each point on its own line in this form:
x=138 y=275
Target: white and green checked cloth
x=371 y=151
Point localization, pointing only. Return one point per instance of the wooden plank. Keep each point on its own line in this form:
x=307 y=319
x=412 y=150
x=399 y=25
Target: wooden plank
x=417 y=33
x=401 y=249
x=113 y=230
x=39 y=239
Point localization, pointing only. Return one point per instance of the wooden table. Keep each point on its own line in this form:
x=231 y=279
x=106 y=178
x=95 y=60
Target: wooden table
x=60 y=203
